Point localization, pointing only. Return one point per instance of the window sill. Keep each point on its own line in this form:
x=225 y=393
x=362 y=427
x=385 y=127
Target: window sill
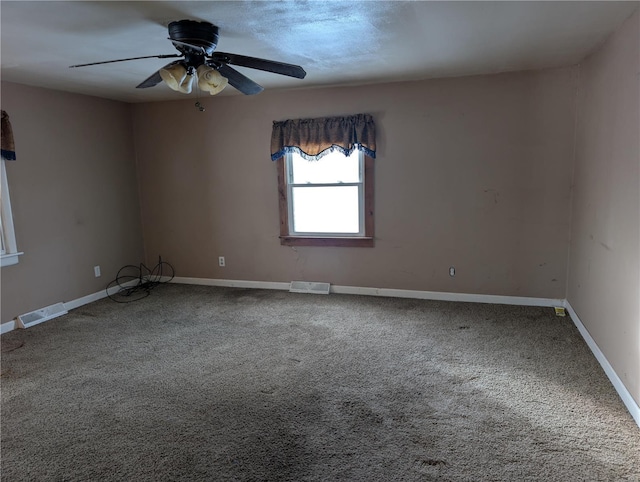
x=9 y=259
x=358 y=242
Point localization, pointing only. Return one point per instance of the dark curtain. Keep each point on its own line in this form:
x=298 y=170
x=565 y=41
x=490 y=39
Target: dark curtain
x=8 y=147
x=313 y=138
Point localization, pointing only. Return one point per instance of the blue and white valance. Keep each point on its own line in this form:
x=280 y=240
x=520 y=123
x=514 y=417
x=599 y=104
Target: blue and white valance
x=313 y=138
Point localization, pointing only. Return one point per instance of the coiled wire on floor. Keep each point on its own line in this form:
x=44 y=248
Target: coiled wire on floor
x=137 y=282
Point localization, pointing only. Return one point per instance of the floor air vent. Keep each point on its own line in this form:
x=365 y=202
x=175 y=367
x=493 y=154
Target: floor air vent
x=309 y=287
x=38 y=316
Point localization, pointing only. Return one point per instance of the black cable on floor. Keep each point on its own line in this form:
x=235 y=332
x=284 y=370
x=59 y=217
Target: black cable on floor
x=136 y=282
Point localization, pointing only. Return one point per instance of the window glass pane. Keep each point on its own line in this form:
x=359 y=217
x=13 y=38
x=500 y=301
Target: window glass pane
x=326 y=210
x=332 y=168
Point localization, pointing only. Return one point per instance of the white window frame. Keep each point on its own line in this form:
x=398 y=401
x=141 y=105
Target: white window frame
x=8 y=247
x=361 y=200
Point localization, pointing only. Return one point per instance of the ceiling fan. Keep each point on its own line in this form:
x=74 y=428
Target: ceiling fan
x=196 y=41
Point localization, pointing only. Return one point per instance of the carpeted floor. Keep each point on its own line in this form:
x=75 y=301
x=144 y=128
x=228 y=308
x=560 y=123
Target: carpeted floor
x=201 y=383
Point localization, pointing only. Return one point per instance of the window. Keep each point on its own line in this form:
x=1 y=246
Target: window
x=325 y=180
x=326 y=202
x=8 y=248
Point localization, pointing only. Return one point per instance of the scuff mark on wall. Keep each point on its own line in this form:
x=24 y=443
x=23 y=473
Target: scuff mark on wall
x=605 y=246
x=496 y=194
x=300 y=263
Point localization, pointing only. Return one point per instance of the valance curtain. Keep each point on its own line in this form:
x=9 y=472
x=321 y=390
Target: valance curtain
x=314 y=138
x=7 y=145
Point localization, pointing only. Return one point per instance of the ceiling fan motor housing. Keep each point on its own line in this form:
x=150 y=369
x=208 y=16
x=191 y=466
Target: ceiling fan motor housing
x=200 y=34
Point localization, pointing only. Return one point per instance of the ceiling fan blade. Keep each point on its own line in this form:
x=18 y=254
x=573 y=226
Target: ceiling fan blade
x=150 y=81
x=260 y=64
x=153 y=79
x=239 y=81
x=166 y=56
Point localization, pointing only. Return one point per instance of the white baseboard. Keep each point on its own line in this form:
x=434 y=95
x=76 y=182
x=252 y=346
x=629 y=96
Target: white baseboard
x=7 y=327
x=392 y=293
x=444 y=296
x=624 y=394
x=73 y=304
x=230 y=283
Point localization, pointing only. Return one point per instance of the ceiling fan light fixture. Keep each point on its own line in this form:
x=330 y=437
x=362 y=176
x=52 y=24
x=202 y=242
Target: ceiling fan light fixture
x=210 y=80
x=177 y=78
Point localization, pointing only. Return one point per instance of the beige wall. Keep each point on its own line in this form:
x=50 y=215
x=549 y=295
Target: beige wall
x=472 y=172
x=74 y=196
x=604 y=268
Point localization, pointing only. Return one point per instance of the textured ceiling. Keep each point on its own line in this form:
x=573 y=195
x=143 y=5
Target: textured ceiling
x=336 y=42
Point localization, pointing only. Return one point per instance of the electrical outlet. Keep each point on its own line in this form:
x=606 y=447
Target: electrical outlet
x=221 y=261
x=452 y=271
x=96 y=271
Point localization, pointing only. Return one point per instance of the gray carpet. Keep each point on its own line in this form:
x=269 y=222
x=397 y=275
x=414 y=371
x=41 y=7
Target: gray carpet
x=200 y=383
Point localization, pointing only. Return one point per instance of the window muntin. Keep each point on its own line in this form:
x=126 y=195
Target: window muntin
x=326 y=197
